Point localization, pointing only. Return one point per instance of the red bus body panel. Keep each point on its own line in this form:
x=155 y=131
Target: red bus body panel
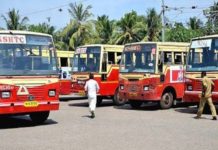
x=65 y=87
x=39 y=93
x=134 y=90
x=107 y=87
x=192 y=96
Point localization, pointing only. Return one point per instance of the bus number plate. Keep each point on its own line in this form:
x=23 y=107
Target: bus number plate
x=133 y=94
x=82 y=93
x=31 y=104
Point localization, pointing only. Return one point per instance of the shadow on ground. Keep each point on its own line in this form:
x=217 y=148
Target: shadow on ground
x=144 y=107
x=70 y=99
x=154 y=107
x=105 y=103
x=192 y=109
x=7 y=122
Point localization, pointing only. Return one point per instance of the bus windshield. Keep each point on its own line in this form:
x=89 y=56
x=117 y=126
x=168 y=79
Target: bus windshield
x=87 y=59
x=138 y=58
x=27 y=55
x=203 y=55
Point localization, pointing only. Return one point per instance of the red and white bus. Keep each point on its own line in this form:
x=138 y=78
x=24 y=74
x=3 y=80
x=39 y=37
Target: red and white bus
x=29 y=81
x=65 y=69
x=202 y=56
x=152 y=72
x=103 y=62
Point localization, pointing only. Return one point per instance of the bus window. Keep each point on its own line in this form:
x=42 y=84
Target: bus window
x=104 y=63
x=111 y=58
x=160 y=61
x=178 y=58
x=118 y=57
x=64 y=62
x=168 y=58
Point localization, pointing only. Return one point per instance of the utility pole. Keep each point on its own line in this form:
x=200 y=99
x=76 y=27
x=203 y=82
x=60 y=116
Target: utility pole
x=163 y=21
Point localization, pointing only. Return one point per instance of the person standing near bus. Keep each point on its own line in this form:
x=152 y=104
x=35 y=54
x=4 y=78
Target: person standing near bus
x=92 y=88
x=205 y=96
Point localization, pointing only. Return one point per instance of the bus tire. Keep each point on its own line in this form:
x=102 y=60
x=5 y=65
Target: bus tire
x=99 y=100
x=39 y=117
x=135 y=104
x=166 y=101
x=117 y=101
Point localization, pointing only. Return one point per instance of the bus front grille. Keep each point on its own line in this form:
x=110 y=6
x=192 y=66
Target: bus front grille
x=34 y=94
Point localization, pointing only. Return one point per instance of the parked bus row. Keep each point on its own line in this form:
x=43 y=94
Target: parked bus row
x=33 y=75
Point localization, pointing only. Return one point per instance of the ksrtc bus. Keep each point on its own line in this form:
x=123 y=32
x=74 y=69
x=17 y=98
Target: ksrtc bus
x=202 y=56
x=103 y=62
x=29 y=81
x=152 y=72
x=65 y=69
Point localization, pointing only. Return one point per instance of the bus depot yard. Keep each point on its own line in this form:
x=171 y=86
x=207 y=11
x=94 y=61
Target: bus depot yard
x=115 y=127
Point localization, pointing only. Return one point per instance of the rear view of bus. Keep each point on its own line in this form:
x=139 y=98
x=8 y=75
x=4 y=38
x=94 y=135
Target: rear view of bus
x=28 y=75
x=152 y=72
x=102 y=61
x=202 y=56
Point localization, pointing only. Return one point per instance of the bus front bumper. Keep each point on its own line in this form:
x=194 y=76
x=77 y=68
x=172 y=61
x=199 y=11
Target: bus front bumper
x=23 y=107
x=139 y=96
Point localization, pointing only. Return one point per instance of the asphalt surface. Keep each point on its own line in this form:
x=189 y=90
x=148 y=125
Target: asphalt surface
x=114 y=128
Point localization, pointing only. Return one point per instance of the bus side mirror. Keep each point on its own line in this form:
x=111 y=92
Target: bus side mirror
x=162 y=78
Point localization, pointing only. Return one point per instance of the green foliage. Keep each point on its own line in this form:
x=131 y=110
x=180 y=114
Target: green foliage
x=179 y=33
x=43 y=28
x=153 y=25
x=78 y=32
x=14 y=21
x=131 y=28
x=104 y=28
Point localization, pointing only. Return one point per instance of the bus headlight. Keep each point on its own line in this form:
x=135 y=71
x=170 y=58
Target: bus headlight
x=121 y=87
x=189 y=87
x=52 y=93
x=6 y=94
x=146 y=88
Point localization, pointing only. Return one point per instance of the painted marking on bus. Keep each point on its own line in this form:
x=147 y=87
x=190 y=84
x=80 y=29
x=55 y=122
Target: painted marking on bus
x=22 y=90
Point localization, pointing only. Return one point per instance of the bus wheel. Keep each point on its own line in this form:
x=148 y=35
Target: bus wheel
x=117 y=100
x=39 y=117
x=99 y=101
x=166 y=101
x=135 y=104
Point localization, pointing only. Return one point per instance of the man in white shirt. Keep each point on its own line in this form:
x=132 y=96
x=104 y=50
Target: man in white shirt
x=92 y=88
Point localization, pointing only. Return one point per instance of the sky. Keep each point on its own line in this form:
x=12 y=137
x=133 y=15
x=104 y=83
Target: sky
x=38 y=11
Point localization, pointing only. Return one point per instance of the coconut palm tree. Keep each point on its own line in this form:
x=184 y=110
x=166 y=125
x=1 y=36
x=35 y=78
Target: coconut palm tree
x=104 y=28
x=14 y=21
x=80 y=25
x=132 y=28
x=195 y=23
x=154 y=25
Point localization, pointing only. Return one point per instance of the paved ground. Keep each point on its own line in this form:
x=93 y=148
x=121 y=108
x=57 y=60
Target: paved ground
x=114 y=128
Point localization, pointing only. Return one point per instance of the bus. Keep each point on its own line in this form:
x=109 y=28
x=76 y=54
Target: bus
x=202 y=56
x=103 y=62
x=152 y=72
x=65 y=69
x=29 y=81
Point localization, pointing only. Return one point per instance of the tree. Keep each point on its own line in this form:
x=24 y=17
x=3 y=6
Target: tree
x=154 y=25
x=80 y=25
x=195 y=23
x=14 y=21
x=104 y=28
x=179 y=33
x=212 y=22
x=43 y=28
x=131 y=28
